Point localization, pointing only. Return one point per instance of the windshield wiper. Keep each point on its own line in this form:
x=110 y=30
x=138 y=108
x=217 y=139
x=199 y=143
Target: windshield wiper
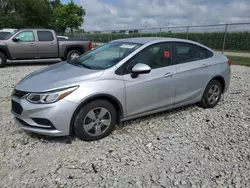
x=79 y=65
x=85 y=66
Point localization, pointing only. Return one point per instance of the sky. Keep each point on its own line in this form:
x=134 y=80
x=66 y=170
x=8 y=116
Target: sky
x=133 y=14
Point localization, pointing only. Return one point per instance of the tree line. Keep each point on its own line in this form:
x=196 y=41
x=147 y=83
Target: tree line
x=50 y=14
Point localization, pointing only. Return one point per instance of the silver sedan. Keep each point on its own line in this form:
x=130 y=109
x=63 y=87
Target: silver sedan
x=118 y=81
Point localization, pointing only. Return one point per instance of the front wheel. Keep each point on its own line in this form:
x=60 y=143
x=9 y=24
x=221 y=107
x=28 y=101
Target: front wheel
x=95 y=120
x=212 y=94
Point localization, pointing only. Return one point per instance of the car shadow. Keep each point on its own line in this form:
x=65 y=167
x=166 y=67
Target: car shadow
x=166 y=114
x=30 y=64
x=52 y=139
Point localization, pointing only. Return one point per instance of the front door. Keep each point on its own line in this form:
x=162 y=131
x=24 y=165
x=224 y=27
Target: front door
x=153 y=90
x=192 y=71
x=25 y=47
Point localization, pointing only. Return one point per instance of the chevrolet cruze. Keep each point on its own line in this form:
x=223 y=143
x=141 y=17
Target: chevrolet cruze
x=118 y=81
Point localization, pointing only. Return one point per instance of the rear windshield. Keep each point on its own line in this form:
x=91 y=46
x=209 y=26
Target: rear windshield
x=105 y=56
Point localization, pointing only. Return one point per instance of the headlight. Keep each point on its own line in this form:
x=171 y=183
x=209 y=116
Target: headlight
x=50 y=97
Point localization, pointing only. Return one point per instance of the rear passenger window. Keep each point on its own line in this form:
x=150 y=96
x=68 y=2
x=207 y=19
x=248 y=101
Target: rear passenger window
x=45 y=36
x=204 y=53
x=209 y=54
x=185 y=52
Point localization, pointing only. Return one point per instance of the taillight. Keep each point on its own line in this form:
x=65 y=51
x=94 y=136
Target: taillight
x=229 y=62
x=90 y=46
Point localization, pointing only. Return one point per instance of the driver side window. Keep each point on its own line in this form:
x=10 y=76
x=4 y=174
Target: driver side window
x=155 y=56
x=26 y=36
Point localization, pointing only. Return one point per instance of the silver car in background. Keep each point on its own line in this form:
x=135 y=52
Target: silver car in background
x=118 y=81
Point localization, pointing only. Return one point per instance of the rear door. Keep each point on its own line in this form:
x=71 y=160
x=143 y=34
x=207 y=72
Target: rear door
x=47 y=44
x=192 y=71
x=25 y=47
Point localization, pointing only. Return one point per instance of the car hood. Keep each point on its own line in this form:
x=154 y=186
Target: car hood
x=56 y=76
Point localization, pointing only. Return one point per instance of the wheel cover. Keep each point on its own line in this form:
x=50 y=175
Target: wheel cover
x=213 y=94
x=97 y=121
x=74 y=55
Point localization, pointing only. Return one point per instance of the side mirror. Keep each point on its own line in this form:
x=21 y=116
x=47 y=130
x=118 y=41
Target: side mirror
x=15 y=39
x=140 y=68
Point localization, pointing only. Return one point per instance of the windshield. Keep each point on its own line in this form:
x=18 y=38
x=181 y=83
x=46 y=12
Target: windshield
x=10 y=35
x=3 y=34
x=105 y=56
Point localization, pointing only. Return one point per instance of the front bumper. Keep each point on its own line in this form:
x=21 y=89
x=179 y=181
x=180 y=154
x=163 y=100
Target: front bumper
x=45 y=119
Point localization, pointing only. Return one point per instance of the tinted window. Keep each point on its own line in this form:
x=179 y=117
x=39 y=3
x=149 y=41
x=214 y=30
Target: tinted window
x=45 y=36
x=203 y=53
x=26 y=36
x=209 y=54
x=155 y=56
x=185 y=52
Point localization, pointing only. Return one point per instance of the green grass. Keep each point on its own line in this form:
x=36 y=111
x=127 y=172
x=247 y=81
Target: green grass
x=240 y=60
x=237 y=51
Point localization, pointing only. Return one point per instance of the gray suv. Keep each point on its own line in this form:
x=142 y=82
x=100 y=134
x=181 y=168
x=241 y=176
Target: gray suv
x=117 y=81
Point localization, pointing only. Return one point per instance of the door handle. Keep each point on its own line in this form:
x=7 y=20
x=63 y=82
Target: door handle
x=32 y=44
x=169 y=74
x=204 y=65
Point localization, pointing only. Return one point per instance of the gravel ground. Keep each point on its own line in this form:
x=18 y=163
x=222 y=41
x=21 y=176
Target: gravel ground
x=188 y=147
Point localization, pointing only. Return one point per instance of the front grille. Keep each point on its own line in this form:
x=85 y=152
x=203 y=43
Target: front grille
x=16 y=107
x=19 y=94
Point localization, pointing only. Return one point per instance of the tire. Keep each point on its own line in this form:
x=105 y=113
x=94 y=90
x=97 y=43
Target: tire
x=72 y=53
x=63 y=58
x=86 y=117
x=3 y=60
x=209 y=101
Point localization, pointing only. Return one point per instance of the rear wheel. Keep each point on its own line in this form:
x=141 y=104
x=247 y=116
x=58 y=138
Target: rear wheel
x=212 y=94
x=95 y=120
x=3 y=60
x=73 y=54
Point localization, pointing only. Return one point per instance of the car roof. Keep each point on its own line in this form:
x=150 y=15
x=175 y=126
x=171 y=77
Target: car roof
x=142 y=40
x=145 y=40
x=39 y=29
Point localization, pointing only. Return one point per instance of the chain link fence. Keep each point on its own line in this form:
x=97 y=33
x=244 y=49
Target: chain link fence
x=221 y=37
